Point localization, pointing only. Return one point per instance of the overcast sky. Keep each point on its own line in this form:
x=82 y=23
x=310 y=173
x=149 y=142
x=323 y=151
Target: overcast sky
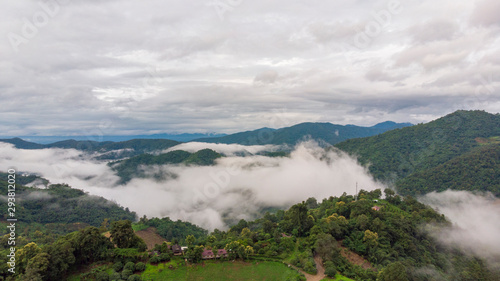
x=142 y=67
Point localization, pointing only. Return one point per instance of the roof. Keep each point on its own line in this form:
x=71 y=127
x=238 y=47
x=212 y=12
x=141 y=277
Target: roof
x=207 y=253
x=222 y=252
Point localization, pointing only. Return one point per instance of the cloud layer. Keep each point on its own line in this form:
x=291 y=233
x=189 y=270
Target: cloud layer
x=128 y=67
x=475 y=222
x=235 y=188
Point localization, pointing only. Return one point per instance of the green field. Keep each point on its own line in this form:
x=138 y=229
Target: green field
x=338 y=277
x=221 y=271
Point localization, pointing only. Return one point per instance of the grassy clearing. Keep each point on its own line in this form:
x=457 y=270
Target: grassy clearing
x=338 y=277
x=139 y=226
x=221 y=271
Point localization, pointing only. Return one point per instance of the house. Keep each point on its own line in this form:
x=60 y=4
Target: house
x=177 y=250
x=285 y=235
x=221 y=253
x=207 y=254
x=376 y=208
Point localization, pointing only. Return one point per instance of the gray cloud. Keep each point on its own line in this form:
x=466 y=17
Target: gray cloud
x=171 y=66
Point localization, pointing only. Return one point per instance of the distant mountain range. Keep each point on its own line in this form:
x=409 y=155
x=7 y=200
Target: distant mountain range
x=323 y=132
x=108 y=149
x=185 y=137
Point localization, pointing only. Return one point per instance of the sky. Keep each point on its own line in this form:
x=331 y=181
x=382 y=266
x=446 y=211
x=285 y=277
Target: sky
x=112 y=67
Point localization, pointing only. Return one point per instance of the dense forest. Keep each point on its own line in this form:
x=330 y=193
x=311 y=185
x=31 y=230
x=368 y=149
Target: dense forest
x=363 y=237
x=134 y=167
x=397 y=154
x=326 y=133
x=477 y=170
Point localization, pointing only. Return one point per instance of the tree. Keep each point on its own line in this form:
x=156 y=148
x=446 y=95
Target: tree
x=190 y=240
x=248 y=251
x=37 y=267
x=371 y=239
x=327 y=247
x=211 y=239
x=330 y=269
x=194 y=254
x=90 y=245
x=299 y=218
x=122 y=233
x=393 y=272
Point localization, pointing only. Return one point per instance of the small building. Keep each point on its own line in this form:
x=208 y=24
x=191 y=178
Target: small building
x=376 y=208
x=207 y=254
x=221 y=253
x=284 y=235
x=177 y=250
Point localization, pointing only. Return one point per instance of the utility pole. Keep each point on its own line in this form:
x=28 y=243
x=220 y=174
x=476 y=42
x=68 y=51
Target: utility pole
x=356 y=195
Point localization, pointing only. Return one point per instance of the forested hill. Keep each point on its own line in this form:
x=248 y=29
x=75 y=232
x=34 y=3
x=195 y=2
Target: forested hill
x=477 y=170
x=415 y=150
x=60 y=203
x=110 y=150
x=134 y=167
x=323 y=132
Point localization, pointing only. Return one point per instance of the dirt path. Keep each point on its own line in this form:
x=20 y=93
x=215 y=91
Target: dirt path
x=321 y=270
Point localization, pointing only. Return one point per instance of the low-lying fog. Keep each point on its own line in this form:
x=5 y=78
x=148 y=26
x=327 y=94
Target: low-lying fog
x=209 y=196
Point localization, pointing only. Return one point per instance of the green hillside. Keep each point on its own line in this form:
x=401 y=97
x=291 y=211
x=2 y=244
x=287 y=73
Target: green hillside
x=322 y=132
x=135 y=167
x=344 y=233
x=62 y=204
x=399 y=153
x=477 y=170
x=125 y=148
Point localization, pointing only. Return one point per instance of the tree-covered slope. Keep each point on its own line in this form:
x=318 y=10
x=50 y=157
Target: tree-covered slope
x=22 y=144
x=60 y=203
x=323 y=132
x=136 y=167
x=477 y=170
x=399 y=153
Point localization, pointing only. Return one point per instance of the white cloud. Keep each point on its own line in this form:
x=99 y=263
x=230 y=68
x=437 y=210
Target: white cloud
x=475 y=222
x=234 y=188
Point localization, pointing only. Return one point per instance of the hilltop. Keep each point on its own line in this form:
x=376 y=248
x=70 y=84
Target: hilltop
x=418 y=150
x=321 y=132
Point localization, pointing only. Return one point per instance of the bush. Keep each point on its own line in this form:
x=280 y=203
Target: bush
x=118 y=266
x=330 y=269
x=154 y=259
x=129 y=266
x=140 y=266
x=164 y=257
x=115 y=277
x=126 y=274
x=102 y=276
x=134 y=277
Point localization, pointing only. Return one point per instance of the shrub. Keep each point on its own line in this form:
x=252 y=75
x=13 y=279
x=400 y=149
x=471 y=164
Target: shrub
x=164 y=257
x=126 y=274
x=154 y=259
x=118 y=266
x=134 y=277
x=115 y=277
x=102 y=276
x=129 y=266
x=140 y=266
